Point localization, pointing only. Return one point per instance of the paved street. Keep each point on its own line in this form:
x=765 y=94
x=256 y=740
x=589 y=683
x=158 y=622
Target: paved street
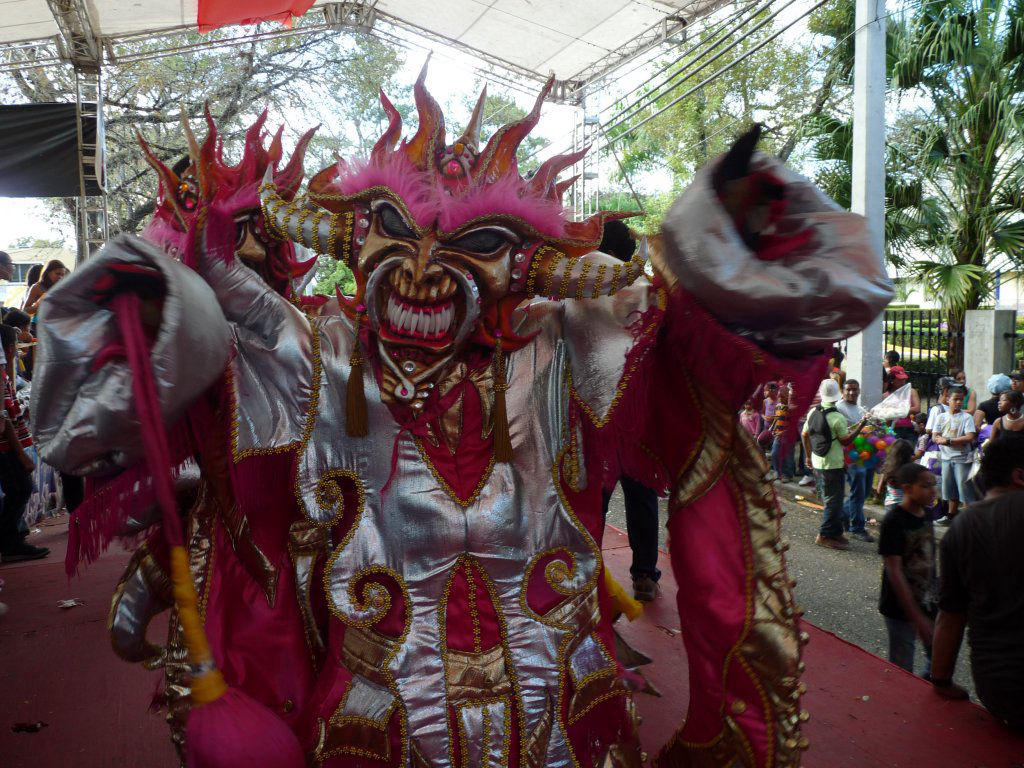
x=837 y=590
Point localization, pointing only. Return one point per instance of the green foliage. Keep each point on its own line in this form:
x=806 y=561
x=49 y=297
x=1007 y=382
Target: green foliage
x=332 y=274
x=965 y=60
x=35 y=242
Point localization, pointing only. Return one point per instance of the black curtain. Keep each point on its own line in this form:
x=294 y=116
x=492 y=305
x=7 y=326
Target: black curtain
x=39 y=150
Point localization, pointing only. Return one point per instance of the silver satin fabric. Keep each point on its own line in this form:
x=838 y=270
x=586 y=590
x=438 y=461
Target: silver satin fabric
x=418 y=533
x=82 y=420
x=825 y=291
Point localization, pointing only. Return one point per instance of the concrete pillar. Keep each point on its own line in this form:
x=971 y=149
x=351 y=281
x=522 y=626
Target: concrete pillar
x=864 y=352
x=988 y=346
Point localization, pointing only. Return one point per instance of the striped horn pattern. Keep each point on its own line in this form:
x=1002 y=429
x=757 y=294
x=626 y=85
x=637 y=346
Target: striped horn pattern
x=591 y=276
x=300 y=221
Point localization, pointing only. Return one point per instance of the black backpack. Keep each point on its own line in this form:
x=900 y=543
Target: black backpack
x=820 y=430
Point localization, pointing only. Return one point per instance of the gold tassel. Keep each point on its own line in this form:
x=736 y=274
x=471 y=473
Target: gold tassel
x=502 y=441
x=355 y=399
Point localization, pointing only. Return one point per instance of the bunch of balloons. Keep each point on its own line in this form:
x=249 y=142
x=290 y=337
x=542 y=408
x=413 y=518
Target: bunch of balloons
x=869 y=448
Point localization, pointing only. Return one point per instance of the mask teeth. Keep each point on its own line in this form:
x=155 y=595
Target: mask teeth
x=431 y=323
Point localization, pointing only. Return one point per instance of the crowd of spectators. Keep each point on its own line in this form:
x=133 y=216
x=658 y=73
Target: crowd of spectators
x=21 y=474
x=959 y=466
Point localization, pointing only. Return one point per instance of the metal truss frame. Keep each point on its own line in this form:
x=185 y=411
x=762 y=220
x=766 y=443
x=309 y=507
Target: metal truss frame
x=78 y=45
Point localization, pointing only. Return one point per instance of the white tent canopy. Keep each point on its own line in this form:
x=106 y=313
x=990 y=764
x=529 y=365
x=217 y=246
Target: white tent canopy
x=577 y=41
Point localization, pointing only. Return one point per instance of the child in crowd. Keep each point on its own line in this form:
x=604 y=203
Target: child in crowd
x=782 y=455
x=750 y=419
x=15 y=464
x=1011 y=414
x=924 y=437
x=942 y=406
x=909 y=594
x=901 y=453
x=954 y=433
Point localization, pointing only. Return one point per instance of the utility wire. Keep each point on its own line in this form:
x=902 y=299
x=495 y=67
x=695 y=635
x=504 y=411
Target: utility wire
x=726 y=34
x=712 y=76
x=694 y=58
x=619 y=119
x=704 y=34
x=823 y=56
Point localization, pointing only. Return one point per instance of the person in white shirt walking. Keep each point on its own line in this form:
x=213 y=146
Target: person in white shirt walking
x=859 y=478
x=955 y=435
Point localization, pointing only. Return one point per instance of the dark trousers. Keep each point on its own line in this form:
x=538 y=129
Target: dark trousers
x=861 y=480
x=74 y=490
x=16 y=483
x=833 y=484
x=641 y=526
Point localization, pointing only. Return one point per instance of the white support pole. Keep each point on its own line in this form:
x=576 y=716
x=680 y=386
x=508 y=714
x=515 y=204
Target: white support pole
x=864 y=351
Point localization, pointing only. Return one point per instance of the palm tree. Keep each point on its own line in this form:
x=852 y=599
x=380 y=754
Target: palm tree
x=961 y=62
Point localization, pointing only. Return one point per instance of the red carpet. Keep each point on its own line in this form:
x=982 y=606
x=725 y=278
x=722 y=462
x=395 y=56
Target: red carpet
x=56 y=666
x=865 y=712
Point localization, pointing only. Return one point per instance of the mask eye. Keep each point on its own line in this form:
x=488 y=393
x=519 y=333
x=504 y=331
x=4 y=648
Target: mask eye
x=188 y=194
x=482 y=241
x=392 y=223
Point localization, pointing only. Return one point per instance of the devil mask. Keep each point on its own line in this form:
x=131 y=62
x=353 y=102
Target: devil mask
x=446 y=240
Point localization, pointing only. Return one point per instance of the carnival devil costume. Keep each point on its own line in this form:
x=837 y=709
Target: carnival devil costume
x=395 y=537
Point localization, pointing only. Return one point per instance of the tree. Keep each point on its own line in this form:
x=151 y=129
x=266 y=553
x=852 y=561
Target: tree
x=774 y=85
x=965 y=60
x=36 y=242
x=327 y=76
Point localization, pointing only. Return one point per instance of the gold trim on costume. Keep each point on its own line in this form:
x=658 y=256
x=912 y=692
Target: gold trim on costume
x=768 y=648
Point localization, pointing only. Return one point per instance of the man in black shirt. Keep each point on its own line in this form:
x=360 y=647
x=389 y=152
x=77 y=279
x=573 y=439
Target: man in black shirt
x=982 y=588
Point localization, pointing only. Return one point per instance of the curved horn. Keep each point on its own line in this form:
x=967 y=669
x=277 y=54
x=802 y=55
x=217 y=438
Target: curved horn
x=430 y=133
x=307 y=225
x=193 y=145
x=386 y=143
x=169 y=180
x=543 y=182
x=210 y=153
x=561 y=187
x=471 y=136
x=499 y=156
x=195 y=154
x=584 y=277
x=290 y=177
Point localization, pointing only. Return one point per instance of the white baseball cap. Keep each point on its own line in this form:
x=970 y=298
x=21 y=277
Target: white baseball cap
x=829 y=391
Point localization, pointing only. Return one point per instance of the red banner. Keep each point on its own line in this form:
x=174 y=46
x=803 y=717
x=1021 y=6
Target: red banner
x=222 y=13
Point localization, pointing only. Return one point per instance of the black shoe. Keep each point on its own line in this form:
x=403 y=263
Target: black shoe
x=645 y=589
x=23 y=551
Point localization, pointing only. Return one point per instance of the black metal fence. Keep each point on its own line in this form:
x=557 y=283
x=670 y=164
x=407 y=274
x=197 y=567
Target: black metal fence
x=926 y=345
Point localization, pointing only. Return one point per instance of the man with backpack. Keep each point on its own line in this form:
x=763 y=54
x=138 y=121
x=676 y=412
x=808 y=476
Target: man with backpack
x=824 y=435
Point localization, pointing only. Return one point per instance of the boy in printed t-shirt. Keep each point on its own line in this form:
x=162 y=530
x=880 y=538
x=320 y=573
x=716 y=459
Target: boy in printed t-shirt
x=954 y=434
x=909 y=595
